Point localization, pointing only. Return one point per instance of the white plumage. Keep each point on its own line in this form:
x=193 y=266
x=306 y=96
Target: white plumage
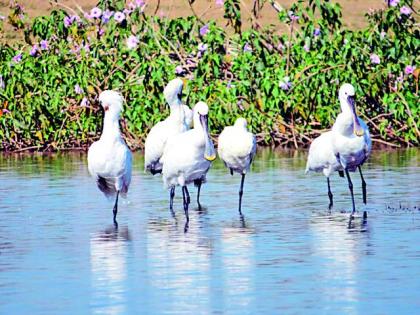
x=178 y=121
x=321 y=158
x=109 y=158
x=351 y=141
x=237 y=147
x=344 y=148
x=187 y=156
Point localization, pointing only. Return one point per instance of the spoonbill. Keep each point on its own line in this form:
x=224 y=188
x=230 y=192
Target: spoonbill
x=187 y=156
x=350 y=139
x=178 y=121
x=321 y=158
x=237 y=147
x=109 y=158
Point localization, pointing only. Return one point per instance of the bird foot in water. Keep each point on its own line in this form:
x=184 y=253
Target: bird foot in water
x=364 y=215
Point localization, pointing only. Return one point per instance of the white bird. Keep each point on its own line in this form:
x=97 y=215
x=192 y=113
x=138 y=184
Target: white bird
x=178 y=121
x=109 y=158
x=351 y=141
x=321 y=158
x=187 y=156
x=237 y=147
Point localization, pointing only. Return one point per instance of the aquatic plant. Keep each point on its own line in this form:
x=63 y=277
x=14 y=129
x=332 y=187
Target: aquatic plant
x=285 y=85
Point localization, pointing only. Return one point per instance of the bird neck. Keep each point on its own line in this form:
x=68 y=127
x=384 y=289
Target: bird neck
x=177 y=112
x=345 y=107
x=197 y=124
x=111 y=129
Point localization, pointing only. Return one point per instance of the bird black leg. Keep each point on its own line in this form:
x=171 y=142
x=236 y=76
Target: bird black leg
x=241 y=192
x=185 y=197
x=171 y=198
x=330 y=195
x=198 y=193
x=363 y=186
x=351 y=192
x=115 y=210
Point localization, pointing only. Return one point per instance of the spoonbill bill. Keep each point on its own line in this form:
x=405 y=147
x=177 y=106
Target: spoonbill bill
x=237 y=147
x=109 y=158
x=187 y=156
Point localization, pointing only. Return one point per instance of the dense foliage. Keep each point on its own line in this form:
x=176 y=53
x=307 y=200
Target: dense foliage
x=285 y=85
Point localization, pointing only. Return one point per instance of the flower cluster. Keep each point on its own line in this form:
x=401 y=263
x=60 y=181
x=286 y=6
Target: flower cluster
x=285 y=84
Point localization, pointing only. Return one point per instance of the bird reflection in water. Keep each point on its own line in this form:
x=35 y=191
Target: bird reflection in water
x=108 y=258
x=339 y=244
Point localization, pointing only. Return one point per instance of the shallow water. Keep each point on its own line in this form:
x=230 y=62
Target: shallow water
x=60 y=253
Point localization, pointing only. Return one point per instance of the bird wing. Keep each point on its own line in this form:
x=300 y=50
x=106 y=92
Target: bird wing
x=321 y=154
x=154 y=145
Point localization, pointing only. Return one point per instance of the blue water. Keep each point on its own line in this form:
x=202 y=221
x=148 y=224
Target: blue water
x=61 y=254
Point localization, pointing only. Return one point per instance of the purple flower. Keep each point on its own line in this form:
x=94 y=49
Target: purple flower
x=220 y=3
x=44 y=44
x=285 y=84
x=306 y=47
x=17 y=58
x=374 y=58
x=101 y=31
x=204 y=30
x=139 y=3
x=87 y=16
x=280 y=46
x=127 y=11
x=229 y=85
x=119 y=17
x=292 y=16
x=179 y=70
x=409 y=69
x=393 y=3
x=84 y=102
x=34 y=50
x=2 y=17
x=68 y=21
x=247 y=48
x=202 y=47
x=78 y=89
x=239 y=103
x=95 y=13
x=132 y=42
x=86 y=47
x=317 y=32
x=106 y=16
x=2 y=84
x=405 y=10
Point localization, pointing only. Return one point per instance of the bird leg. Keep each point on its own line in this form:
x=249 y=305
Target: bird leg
x=241 y=192
x=171 y=198
x=198 y=193
x=351 y=192
x=363 y=186
x=330 y=195
x=187 y=193
x=115 y=210
x=184 y=197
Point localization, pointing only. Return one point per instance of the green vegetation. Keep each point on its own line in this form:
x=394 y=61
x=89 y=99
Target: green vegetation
x=285 y=85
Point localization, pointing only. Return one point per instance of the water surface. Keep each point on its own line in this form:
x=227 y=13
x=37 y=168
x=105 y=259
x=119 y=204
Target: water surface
x=61 y=254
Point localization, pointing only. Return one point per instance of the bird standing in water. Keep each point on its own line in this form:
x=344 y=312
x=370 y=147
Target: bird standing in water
x=237 y=147
x=109 y=158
